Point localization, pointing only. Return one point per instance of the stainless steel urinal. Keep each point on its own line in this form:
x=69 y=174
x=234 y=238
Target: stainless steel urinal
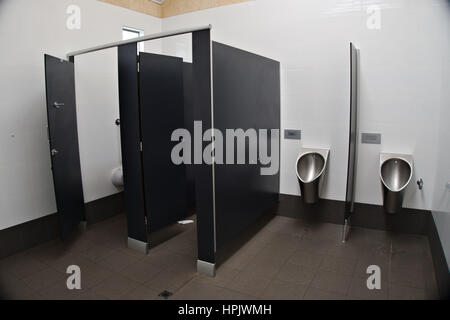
x=310 y=167
x=396 y=171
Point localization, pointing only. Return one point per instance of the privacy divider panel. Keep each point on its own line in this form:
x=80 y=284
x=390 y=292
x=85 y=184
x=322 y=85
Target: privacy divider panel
x=246 y=95
x=63 y=141
x=130 y=141
x=353 y=134
x=203 y=173
x=161 y=92
x=188 y=88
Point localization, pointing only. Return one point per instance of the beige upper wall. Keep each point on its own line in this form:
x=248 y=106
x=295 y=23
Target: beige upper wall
x=144 y=6
x=176 y=7
x=170 y=7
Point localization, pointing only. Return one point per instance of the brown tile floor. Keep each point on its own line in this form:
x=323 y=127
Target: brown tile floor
x=287 y=259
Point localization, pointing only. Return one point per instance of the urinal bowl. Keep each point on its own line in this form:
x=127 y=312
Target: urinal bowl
x=396 y=173
x=310 y=166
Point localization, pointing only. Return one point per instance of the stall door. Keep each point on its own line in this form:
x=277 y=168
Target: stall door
x=161 y=92
x=63 y=141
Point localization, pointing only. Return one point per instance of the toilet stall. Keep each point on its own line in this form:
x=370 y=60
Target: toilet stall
x=151 y=99
x=223 y=88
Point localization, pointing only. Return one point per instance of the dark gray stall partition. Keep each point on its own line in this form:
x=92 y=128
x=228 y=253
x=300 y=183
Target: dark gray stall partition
x=162 y=112
x=353 y=135
x=203 y=173
x=188 y=87
x=246 y=95
x=63 y=140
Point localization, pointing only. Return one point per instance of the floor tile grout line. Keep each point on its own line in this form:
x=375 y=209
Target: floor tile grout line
x=391 y=250
x=351 y=280
x=314 y=276
x=46 y=285
x=183 y=286
x=274 y=276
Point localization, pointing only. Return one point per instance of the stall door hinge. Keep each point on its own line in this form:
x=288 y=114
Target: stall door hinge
x=140 y=146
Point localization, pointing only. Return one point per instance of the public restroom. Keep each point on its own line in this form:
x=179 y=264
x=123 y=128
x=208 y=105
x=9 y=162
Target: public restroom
x=232 y=150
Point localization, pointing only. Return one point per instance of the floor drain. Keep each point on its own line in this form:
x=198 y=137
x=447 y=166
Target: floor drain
x=165 y=294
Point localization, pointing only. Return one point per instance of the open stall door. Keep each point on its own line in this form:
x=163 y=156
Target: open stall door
x=161 y=93
x=63 y=141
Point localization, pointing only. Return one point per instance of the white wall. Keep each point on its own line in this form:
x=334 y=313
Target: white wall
x=401 y=93
x=28 y=29
x=400 y=87
x=441 y=203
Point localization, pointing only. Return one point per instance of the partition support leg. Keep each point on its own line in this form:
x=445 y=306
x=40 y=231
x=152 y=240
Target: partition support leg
x=344 y=231
x=83 y=225
x=137 y=245
x=206 y=268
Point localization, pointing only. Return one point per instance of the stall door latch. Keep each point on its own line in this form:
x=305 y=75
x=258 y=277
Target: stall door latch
x=54 y=152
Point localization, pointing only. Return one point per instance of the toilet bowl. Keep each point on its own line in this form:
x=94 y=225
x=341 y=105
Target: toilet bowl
x=117 y=177
x=395 y=172
x=309 y=167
